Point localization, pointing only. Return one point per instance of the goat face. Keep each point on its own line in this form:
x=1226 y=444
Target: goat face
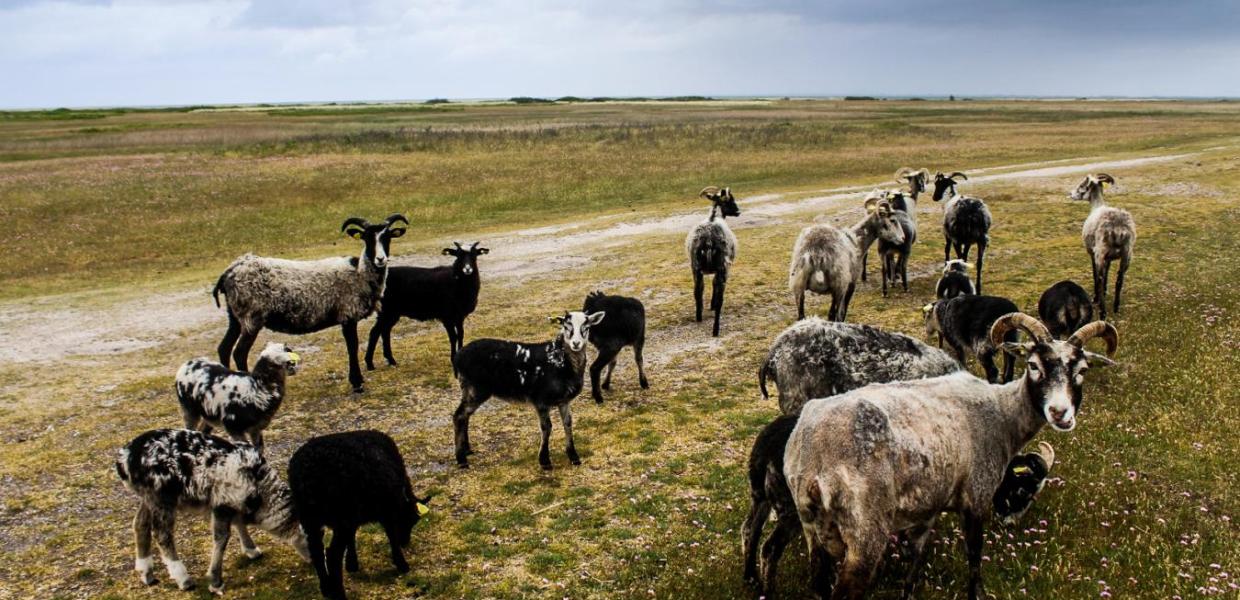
x=889 y=228
x=1055 y=370
x=723 y=200
x=575 y=328
x=1024 y=478
x=376 y=237
x=281 y=355
x=1091 y=187
x=943 y=183
x=411 y=511
x=466 y=263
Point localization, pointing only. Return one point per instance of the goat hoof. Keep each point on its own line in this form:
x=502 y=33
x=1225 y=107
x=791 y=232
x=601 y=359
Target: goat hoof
x=645 y=384
x=462 y=464
x=546 y=466
x=357 y=389
x=402 y=568
x=391 y=362
x=187 y=585
x=148 y=579
x=575 y=461
x=216 y=588
x=253 y=553
x=598 y=400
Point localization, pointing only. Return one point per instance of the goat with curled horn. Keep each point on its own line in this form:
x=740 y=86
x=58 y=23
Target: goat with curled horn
x=1109 y=234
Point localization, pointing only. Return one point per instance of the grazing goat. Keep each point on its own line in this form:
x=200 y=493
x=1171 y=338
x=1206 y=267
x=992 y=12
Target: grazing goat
x=446 y=294
x=816 y=359
x=712 y=248
x=546 y=375
x=964 y=323
x=295 y=296
x=346 y=480
x=895 y=254
x=1064 y=308
x=1109 y=234
x=955 y=281
x=175 y=469
x=625 y=326
x=891 y=457
x=827 y=259
x=1022 y=480
x=966 y=222
x=238 y=402
x=768 y=490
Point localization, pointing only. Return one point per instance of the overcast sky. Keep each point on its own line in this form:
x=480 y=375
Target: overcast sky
x=147 y=52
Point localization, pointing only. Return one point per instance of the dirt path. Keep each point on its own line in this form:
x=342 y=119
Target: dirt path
x=73 y=325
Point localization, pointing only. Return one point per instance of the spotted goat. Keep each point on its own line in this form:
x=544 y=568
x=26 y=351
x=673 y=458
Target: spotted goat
x=241 y=403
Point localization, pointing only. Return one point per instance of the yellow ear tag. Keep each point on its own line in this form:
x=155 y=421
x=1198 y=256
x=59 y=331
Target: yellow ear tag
x=293 y=357
x=1021 y=470
x=422 y=509
x=927 y=308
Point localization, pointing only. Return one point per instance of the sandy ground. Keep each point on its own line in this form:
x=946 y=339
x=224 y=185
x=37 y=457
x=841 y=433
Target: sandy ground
x=75 y=325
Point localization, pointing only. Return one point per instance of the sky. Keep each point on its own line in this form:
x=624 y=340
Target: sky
x=79 y=53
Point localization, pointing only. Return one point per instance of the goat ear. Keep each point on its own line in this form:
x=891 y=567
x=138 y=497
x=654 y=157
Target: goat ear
x=1018 y=348
x=558 y=320
x=484 y=250
x=354 y=232
x=595 y=318
x=396 y=231
x=448 y=252
x=1098 y=360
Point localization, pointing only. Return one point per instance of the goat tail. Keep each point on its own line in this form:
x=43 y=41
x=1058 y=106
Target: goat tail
x=122 y=469
x=767 y=370
x=219 y=286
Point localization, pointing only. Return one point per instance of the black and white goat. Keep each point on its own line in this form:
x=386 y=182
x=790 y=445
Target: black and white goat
x=297 y=296
x=955 y=281
x=828 y=259
x=343 y=481
x=1109 y=234
x=545 y=375
x=625 y=326
x=814 y=358
x=712 y=248
x=1024 y=477
x=964 y=323
x=1064 y=308
x=847 y=460
x=173 y=470
x=447 y=294
x=966 y=222
x=239 y=402
x=894 y=255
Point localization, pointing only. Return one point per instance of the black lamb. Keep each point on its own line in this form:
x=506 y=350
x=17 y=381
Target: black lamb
x=1064 y=308
x=955 y=281
x=625 y=326
x=346 y=480
x=768 y=490
x=447 y=294
x=964 y=323
x=1024 y=478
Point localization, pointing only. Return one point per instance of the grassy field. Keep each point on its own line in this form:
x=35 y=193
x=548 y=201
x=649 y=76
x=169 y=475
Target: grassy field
x=108 y=208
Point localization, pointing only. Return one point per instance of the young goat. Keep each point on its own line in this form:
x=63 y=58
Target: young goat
x=296 y=296
x=346 y=480
x=170 y=470
x=446 y=294
x=828 y=260
x=1024 y=477
x=238 y=402
x=955 y=281
x=547 y=375
x=964 y=323
x=768 y=490
x=1064 y=308
x=816 y=359
x=625 y=326
x=966 y=222
x=1109 y=234
x=895 y=254
x=847 y=460
x=712 y=248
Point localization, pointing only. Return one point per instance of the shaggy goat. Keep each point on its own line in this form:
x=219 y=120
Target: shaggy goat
x=1064 y=308
x=1022 y=480
x=174 y=469
x=966 y=222
x=238 y=402
x=293 y=296
x=816 y=359
x=906 y=201
x=625 y=326
x=848 y=459
x=964 y=323
x=1109 y=234
x=346 y=480
x=895 y=254
x=712 y=248
x=955 y=281
x=827 y=259
x=447 y=294
x=546 y=375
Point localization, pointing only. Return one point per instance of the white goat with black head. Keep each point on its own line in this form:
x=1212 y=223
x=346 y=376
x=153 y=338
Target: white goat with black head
x=1109 y=234
x=712 y=248
x=966 y=222
x=828 y=260
x=299 y=296
x=848 y=459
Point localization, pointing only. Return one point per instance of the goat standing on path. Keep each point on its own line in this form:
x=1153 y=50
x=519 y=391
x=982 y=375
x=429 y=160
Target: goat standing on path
x=712 y=248
x=966 y=222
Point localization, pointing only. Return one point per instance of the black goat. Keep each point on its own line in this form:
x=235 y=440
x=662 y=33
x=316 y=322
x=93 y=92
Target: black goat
x=768 y=490
x=346 y=480
x=1024 y=478
x=964 y=323
x=712 y=248
x=547 y=375
x=1064 y=308
x=955 y=281
x=447 y=294
x=625 y=326
x=966 y=222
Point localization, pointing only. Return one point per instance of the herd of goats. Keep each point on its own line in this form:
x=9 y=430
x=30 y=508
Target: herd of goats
x=879 y=432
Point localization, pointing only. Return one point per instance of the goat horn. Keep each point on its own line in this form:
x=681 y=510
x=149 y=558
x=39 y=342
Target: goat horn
x=1104 y=178
x=1090 y=331
x=958 y=174
x=1047 y=452
x=709 y=192
x=871 y=203
x=394 y=217
x=360 y=222
x=903 y=173
x=1018 y=320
